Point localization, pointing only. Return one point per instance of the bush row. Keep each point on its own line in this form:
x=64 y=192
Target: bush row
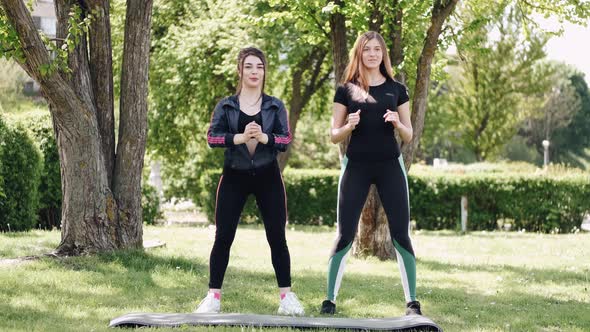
x=533 y=202
x=537 y=203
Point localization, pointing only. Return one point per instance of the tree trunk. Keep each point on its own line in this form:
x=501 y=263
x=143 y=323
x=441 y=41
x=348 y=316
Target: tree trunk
x=89 y=218
x=373 y=231
x=441 y=10
x=339 y=54
x=373 y=237
x=338 y=38
x=133 y=124
x=101 y=70
x=94 y=216
x=376 y=19
x=295 y=107
x=302 y=93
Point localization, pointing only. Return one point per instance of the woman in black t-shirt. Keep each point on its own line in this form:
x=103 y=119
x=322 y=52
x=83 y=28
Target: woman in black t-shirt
x=368 y=108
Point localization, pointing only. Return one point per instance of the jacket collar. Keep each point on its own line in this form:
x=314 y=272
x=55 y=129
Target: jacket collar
x=267 y=102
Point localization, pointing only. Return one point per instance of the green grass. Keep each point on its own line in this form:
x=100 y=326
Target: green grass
x=478 y=282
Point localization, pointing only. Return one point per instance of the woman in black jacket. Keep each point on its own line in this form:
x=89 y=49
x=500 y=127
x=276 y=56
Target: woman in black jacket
x=253 y=127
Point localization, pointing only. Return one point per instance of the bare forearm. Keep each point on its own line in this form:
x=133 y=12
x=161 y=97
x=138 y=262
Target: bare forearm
x=406 y=133
x=338 y=135
x=239 y=139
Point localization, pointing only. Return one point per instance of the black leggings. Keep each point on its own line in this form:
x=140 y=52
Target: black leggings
x=234 y=188
x=391 y=181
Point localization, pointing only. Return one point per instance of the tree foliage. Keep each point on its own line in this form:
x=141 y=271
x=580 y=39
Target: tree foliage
x=497 y=81
x=562 y=120
x=572 y=142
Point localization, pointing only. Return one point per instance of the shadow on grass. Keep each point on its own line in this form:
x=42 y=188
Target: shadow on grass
x=532 y=274
x=134 y=280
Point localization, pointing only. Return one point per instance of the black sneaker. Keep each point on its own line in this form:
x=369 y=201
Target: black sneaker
x=328 y=308
x=413 y=308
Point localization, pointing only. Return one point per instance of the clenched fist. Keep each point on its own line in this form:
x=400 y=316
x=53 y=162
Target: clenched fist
x=392 y=117
x=354 y=119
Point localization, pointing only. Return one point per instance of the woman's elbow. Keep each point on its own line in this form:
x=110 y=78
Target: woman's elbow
x=335 y=139
x=410 y=136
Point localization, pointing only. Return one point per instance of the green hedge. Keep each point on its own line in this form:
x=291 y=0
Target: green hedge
x=311 y=197
x=541 y=202
x=20 y=168
x=537 y=203
x=50 y=185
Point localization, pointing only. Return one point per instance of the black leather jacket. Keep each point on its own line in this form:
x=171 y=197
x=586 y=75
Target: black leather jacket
x=224 y=125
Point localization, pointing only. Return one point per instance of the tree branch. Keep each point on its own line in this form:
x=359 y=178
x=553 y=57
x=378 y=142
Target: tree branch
x=318 y=24
x=339 y=46
x=324 y=78
x=440 y=12
x=78 y=58
x=33 y=47
x=311 y=86
x=101 y=72
x=538 y=6
x=376 y=19
x=54 y=87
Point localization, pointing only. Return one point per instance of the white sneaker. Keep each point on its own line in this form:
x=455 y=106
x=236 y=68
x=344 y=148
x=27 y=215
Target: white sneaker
x=209 y=305
x=290 y=306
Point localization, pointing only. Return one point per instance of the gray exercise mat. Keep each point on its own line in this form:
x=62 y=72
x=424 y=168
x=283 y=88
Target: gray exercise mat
x=405 y=323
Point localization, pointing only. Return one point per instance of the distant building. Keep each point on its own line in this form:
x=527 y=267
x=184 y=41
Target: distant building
x=46 y=21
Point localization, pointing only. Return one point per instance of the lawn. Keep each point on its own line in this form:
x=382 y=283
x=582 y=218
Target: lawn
x=476 y=282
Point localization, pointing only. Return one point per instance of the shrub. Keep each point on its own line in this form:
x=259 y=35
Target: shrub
x=20 y=167
x=150 y=204
x=50 y=195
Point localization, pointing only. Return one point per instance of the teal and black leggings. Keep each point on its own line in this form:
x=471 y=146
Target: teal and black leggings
x=392 y=185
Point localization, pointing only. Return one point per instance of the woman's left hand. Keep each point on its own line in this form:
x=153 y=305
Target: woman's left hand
x=258 y=134
x=392 y=117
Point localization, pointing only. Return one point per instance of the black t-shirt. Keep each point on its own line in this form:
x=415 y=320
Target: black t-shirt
x=373 y=139
x=244 y=119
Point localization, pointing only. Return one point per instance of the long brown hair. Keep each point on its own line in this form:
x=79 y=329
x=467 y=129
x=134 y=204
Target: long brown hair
x=355 y=70
x=244 y=53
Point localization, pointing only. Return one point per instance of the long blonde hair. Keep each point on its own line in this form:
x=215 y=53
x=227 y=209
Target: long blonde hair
x=355 y=72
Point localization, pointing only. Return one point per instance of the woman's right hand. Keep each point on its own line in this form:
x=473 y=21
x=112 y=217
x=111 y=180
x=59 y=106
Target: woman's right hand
x=354 y=119
x=249 y=133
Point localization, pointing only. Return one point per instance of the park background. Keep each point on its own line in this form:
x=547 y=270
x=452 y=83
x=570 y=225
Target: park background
x=490 y=96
